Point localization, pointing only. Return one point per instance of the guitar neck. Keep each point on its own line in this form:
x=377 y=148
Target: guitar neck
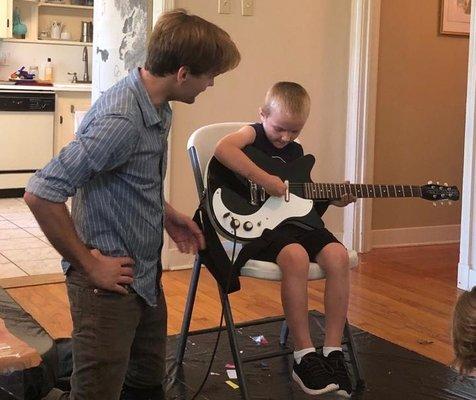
x=334 y=191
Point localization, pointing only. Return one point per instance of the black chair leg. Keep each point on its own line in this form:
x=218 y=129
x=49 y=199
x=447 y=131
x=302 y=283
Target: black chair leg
x=187 y=315
x=235 y=350
x=354 y=359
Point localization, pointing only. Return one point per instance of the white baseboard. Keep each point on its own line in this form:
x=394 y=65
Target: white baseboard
x=424 y=235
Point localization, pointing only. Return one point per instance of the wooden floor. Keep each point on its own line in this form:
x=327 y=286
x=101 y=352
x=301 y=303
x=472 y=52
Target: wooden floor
x=404 y=295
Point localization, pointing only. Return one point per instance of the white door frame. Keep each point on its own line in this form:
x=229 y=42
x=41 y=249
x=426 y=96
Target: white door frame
x=360 y=129
x=158 y=7
x=467 y=260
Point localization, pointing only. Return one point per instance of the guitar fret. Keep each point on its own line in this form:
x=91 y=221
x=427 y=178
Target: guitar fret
x=370 y=190
x=378 y=192
x=365 y=191
x=407 y=191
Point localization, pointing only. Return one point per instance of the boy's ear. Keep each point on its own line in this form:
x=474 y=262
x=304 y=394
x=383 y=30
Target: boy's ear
x=262 y=114
x=182 y=74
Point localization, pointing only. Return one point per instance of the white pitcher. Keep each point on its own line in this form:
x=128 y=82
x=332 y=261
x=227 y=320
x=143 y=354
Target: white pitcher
x=56 y=28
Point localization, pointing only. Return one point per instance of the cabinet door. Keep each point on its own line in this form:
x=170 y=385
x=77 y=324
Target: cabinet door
x=6 y=22
x=67 y=103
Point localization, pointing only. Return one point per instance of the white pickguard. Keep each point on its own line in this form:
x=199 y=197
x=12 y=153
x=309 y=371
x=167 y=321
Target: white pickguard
x=274 y=211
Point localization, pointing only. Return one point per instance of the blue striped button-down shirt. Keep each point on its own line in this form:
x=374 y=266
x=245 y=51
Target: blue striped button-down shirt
x=115 y=169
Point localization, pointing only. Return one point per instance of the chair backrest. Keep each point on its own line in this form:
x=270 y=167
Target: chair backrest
x=201 y=146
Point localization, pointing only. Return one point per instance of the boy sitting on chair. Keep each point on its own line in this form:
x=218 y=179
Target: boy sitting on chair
x=283 y=116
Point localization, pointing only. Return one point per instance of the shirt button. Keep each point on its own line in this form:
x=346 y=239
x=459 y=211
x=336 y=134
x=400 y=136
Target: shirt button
x=96 y=291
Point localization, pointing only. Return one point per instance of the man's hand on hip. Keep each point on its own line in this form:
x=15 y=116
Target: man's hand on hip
x=111 y=273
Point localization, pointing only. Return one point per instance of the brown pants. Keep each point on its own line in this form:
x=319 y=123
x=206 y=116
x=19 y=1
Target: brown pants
x=116 y=339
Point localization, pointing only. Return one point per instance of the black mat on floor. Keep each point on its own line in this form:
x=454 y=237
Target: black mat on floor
x=390 y=371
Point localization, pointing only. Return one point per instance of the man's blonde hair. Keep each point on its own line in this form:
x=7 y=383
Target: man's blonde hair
x=464 y=332
x=288 y=97
x=181 y=39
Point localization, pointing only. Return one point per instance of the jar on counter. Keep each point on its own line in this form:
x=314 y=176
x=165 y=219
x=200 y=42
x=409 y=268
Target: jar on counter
x=33 y=70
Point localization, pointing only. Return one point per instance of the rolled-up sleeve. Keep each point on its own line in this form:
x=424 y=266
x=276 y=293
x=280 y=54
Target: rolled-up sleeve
x=106 y=143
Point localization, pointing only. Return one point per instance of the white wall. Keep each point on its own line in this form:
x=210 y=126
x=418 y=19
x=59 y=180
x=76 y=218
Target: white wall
x=305 y=41
x=65 y=59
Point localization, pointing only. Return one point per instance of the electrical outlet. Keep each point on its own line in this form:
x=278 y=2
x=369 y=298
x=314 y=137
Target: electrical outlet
x=224 y=6
x=4 y=58
x=247 y=7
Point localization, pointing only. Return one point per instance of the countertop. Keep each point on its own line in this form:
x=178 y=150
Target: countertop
x=57 y=87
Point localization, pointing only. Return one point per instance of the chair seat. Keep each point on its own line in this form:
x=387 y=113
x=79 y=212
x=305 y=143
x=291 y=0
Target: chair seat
x=271 y=271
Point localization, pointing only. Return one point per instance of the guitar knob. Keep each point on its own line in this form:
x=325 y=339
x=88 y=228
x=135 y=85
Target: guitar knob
x=248 y=226
x=235 y=224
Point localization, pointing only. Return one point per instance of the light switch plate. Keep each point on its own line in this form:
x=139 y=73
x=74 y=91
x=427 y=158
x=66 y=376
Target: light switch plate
x=247 y=7
x=224 y=6
x=4 y=58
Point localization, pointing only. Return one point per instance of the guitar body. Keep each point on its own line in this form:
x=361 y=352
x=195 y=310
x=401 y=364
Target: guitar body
x=229 y=202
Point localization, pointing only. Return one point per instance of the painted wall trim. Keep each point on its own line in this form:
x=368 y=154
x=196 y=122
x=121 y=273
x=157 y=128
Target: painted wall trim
x=362 y=93
x=416 y=236
x=467 y=261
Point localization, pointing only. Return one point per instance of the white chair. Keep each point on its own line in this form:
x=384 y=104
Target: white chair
x=201 y=145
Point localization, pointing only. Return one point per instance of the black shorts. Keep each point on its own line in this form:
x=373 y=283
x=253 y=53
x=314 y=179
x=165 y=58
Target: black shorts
x=312 y=240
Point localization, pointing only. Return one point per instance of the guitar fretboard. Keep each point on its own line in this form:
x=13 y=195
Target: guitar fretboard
x=334 y=191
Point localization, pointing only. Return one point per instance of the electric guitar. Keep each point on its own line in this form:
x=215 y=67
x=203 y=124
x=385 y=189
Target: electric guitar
x=239 y=209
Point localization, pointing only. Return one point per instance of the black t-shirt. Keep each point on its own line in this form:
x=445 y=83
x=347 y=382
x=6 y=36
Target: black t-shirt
x=289 y=153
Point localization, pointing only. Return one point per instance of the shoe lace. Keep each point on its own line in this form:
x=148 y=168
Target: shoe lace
x=339 y=366
x=314 y=363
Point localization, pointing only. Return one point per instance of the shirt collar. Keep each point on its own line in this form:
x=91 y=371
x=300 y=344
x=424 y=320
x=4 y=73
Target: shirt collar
x=150 y=113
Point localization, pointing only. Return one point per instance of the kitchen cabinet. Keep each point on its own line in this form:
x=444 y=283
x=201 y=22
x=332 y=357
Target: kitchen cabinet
x=39 y=16
x=6 y=15
x=67 y=103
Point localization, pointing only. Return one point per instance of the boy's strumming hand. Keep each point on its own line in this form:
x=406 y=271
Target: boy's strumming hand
x=274 y=186
x=111 y=273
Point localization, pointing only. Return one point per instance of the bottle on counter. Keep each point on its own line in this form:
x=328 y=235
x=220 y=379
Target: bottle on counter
x=49 y=70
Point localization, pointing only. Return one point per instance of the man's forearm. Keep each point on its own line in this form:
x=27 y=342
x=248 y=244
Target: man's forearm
x=55 y=221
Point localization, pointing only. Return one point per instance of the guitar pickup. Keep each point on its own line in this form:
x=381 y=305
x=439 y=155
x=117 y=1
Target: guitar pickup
x=253 y=193
x=262 y=194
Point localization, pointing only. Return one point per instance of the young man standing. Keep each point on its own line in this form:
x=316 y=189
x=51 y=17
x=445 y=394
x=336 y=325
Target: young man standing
x=112 y=240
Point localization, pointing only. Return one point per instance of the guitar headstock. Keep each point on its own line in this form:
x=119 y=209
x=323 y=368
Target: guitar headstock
x=437 y=192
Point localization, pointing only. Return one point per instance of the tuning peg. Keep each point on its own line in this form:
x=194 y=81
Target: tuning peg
x=450 y=203
x=446 y=183
x=437 y=182
x=442 y=203
x=430 y=182
x=434 y=204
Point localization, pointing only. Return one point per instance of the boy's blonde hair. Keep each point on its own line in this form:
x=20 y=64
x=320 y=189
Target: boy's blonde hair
x=180 y=39
x=288 y=97
x=464 y=332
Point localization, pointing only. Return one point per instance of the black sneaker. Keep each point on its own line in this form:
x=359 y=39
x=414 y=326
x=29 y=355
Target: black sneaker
x=314 y=375
x=336 y=360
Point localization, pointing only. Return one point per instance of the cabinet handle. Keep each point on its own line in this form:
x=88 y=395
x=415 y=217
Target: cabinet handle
x=61 y=119
x=72 y=108
x=8 y=22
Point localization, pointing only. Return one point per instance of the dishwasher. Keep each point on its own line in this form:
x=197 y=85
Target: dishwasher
x=26 y=135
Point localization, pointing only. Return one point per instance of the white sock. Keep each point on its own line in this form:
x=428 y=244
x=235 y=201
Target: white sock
x=298 y=355
x=328 y=350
